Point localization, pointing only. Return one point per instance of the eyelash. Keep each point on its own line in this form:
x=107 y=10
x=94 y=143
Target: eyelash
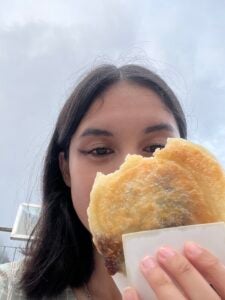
x=154 y=147
x=91 y=152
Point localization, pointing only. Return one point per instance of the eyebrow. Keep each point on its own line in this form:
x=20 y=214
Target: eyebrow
x=96 y=132
x=159 y=127
x=103 y=132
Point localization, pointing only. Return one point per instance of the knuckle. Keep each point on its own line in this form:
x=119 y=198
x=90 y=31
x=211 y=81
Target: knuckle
x=160 y=280
x=211 y=263
x=184 y=267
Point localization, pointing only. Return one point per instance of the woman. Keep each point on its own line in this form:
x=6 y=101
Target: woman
x=112 y=111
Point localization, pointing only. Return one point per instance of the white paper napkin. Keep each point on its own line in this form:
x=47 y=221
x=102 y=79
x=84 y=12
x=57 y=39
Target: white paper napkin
x=138 y=245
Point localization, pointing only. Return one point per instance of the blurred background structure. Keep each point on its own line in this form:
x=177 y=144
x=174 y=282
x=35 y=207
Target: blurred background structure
x=26 y=219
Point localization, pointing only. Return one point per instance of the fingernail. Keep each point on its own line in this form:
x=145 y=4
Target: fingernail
x=129 y=294
x=193 y=249
x=147 y=263
x=165 y=252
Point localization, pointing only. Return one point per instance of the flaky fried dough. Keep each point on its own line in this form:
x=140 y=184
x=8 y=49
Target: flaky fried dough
x=182 y=184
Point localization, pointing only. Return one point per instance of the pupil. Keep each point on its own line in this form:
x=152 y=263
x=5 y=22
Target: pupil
x=153 y=148
x=101 y=151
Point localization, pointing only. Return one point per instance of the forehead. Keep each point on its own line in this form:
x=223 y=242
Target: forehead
x=126 y=102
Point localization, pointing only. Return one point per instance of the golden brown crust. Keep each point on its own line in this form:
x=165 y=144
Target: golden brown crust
x=181 y=185
x=113 y=253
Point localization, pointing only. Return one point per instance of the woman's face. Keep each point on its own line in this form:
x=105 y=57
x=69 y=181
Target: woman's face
x=127 y=118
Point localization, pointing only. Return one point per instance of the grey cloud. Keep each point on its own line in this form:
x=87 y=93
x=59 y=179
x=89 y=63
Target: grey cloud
x=44 y=49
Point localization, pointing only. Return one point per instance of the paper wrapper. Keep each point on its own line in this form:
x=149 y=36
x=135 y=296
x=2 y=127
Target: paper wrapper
x=138 y=245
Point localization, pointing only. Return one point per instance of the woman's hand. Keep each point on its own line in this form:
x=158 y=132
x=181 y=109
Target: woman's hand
x=193 y=271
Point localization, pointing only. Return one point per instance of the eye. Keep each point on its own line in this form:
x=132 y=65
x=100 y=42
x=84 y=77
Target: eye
x=152 y=148
x=100 y=151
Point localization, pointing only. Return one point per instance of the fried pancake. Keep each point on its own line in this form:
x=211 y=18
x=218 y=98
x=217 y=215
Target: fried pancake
x=182 y=184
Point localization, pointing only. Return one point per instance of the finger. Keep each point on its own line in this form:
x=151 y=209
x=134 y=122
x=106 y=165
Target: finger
x=130 y=294
x=208 y=265
x=188 y=278
x=159 y=281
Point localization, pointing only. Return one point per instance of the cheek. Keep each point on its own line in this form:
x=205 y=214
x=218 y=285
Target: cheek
x=81 y=184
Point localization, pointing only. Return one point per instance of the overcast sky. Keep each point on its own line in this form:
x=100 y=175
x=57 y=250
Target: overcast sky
x=46 y=45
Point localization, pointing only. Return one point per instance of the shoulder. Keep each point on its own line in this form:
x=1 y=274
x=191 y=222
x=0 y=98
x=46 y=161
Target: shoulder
x=9 y=276
x=3 y=278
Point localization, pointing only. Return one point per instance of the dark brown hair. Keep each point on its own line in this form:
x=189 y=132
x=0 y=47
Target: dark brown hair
x=62 y=253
